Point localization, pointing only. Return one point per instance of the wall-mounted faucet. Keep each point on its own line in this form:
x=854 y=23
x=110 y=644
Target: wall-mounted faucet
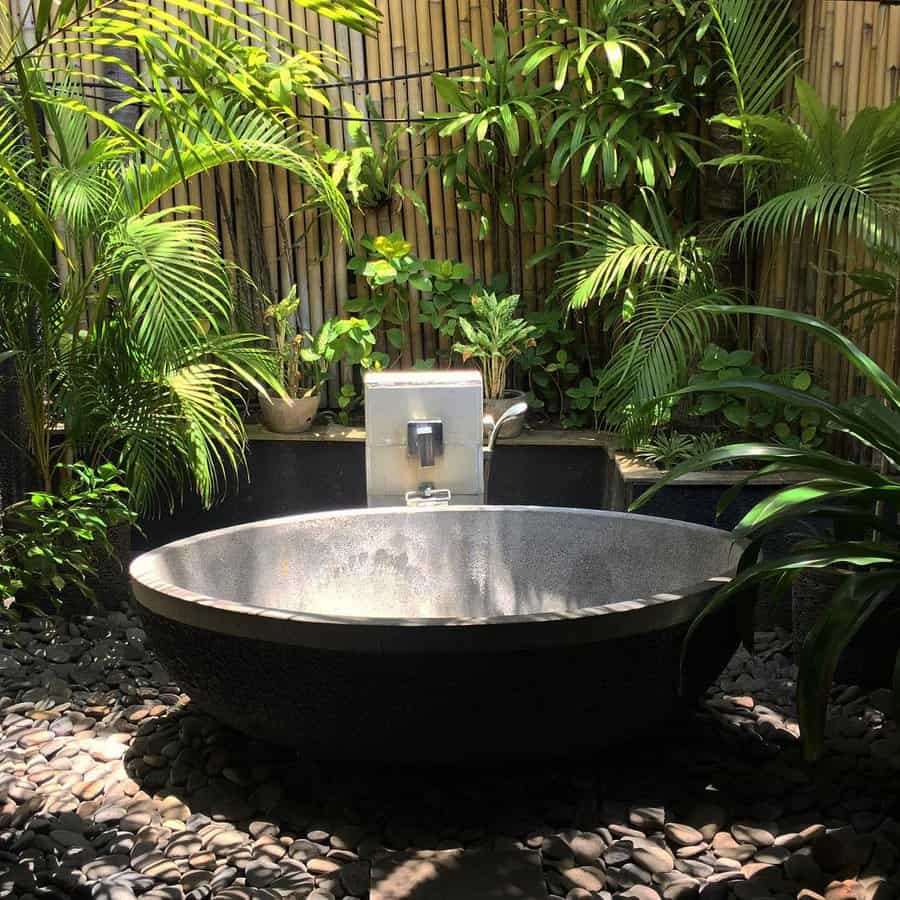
x=425 y=439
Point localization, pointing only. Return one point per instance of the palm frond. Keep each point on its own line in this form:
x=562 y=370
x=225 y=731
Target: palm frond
x=667 y=331
x=252 y=136
x=759 y=52
x=170 y=278
x=174 y=427
x=835 y=181
x=615 y=251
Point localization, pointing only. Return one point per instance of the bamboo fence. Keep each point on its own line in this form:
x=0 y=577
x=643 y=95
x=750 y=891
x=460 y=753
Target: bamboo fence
x=852 y=53
x=852 y=59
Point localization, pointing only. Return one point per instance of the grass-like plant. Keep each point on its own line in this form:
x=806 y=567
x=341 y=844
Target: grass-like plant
x=857 y=502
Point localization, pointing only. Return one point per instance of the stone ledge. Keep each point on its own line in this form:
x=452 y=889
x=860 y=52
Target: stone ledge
x=536 y=437
x=633 y=470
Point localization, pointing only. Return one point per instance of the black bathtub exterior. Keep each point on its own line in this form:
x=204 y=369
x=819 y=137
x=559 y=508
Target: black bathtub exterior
x=413 y=708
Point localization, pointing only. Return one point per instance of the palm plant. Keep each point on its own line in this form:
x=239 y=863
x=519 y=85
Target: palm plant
x=119 y=320
x=185 y=52
x=654 y=287
x=860 y=506
x=875 y=297
x=135 y=352
x=812 y=171
x=757 y=58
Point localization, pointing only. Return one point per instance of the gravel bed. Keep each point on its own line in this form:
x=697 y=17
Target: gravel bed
x=112 y=787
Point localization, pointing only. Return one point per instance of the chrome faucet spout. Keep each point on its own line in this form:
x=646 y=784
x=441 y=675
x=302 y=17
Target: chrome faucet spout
x=517 y=409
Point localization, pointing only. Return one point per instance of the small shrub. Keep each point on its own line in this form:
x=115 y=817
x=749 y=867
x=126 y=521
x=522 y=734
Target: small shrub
x=51 y=542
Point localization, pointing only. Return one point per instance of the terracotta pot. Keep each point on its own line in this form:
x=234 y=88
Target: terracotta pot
x=289 y=416
x=496 y=408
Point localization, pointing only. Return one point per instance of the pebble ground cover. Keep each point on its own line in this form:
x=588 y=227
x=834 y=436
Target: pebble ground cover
x=113 y=786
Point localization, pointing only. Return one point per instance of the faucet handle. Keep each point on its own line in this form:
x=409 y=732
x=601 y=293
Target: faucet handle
x=425 y=439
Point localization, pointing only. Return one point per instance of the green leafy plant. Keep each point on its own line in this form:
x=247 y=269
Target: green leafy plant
x=494 y=335
x=755 y=414
x=553 y=362
x=134 y=353
x=369 y=170
x=859 y=504
x=53 y=541
x=390 y=272
x=495 y=170
x=626 y=76
x=586 y=403
x=348 y=400
x=307 y=358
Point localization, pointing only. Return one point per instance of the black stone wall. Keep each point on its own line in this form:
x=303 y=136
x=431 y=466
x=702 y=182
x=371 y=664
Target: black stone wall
x=287 y=477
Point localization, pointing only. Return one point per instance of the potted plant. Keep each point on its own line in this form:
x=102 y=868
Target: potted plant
x=494 y=337
x=305 y=360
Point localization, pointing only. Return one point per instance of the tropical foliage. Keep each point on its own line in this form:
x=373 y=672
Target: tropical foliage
x=760 y=415
x=306 y=358
x=369 y=170
x=813 y=172
x=495 y=171
x=856 y=503
x=171 y=63
x=52 y=542
x=654 y=287
x=626 y=76
x=119 y=318
x=134 y=351
x=391 y=271
x=494 y=335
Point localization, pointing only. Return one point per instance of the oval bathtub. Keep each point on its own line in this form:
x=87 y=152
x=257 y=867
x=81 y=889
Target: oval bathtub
x=440 y=634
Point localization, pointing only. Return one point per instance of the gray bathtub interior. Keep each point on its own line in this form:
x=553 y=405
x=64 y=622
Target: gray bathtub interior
x=471 y=562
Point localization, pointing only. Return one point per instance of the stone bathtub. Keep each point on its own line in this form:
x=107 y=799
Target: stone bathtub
x=452 y=634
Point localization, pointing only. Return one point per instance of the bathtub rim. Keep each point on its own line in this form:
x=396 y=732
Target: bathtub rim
x=588 y=624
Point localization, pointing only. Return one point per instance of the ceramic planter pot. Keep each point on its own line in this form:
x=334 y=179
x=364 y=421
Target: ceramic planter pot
x=496 y=408
x=868 y=659
x=291 y=416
